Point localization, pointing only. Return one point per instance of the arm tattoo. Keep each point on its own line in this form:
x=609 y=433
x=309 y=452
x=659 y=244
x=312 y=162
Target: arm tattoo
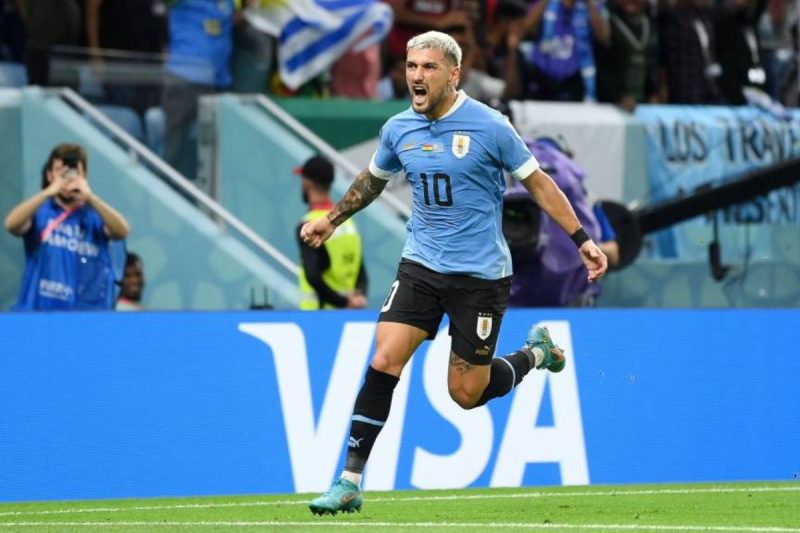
x=364 y=189
x=461 y=366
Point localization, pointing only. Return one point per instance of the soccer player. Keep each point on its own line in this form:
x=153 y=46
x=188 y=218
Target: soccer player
x=453 y=150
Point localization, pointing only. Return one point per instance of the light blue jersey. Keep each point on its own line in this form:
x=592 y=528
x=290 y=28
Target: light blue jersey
x=455 y=167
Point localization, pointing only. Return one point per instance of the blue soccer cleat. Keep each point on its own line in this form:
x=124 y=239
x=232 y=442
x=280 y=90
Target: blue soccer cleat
x=541 y=344
x=342 y=496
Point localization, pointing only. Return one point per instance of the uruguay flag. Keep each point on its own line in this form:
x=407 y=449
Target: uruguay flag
x=313 y=34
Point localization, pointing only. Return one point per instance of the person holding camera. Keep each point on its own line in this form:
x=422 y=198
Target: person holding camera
x=66 y=230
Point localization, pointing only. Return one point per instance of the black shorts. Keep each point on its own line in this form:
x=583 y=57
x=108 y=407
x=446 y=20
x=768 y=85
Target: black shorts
x=420 y=297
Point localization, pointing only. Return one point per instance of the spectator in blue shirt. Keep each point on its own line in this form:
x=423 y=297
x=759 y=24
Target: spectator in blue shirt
x=66 y=230
x=200 y=46
x=562 y=62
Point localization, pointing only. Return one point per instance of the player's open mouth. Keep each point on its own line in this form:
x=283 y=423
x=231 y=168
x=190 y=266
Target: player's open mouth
x=420 y=94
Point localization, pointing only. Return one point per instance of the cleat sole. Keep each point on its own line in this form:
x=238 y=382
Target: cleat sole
x=333 y=512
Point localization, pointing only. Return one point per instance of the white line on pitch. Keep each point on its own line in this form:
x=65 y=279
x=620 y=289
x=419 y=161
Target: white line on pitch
x=401 y=499
x=415 y=525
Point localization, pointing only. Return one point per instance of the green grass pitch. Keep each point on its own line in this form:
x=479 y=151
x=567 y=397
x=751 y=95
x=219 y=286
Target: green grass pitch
x=715 y=507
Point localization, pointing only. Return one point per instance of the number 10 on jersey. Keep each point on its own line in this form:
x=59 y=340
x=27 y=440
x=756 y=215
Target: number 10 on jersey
x=442 y=193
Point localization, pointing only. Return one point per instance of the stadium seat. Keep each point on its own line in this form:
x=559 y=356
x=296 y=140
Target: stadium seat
x=13 y=74
x=88 y=84
x=124 y=117
x=155 y=128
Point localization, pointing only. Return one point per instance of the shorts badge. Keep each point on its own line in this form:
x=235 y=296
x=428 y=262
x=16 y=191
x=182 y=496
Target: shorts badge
x=484 y=327
x=460 y=145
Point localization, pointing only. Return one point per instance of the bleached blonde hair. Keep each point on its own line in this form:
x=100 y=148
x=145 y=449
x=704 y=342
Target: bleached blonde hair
x=437 y=40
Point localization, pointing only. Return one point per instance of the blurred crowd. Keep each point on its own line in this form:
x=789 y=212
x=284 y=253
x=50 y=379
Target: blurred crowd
x=165 y=55
x=618 y=51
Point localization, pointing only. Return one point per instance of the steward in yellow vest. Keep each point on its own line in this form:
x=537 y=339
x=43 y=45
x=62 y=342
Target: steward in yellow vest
x=332 y=276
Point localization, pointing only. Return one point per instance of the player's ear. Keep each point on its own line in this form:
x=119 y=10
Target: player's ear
x=455 y=75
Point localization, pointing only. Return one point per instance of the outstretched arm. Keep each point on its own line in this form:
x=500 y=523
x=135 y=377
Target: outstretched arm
x=362 y=192
x=555 y=203
x=364 y=189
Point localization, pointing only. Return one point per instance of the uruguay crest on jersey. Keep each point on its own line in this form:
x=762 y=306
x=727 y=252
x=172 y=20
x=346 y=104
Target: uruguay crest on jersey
x=484 y=327
x=460 y=145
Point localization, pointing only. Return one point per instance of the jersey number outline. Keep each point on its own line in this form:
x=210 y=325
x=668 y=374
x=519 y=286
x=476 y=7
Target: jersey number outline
x=390 y=297
x=438 y=178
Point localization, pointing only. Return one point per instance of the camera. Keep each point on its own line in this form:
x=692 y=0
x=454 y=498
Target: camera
x=71 y=162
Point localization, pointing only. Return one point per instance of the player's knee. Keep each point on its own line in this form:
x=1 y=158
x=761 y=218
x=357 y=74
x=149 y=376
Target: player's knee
x=379 y=362
x=383 y=363
x=463 y=398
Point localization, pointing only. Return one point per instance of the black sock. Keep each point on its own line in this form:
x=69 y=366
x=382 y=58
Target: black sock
x=369 y=415
x=506 y=373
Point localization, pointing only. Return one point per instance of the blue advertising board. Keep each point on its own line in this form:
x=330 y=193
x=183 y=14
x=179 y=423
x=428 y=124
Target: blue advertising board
x=105 y=405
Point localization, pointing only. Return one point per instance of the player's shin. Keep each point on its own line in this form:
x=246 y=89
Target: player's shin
x=369 y=415
x=506 y=373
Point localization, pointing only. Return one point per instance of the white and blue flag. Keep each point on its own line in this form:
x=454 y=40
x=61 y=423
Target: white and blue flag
x=313 y=34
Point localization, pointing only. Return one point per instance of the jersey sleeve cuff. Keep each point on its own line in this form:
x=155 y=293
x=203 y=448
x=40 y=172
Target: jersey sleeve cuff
x=379 y=172
x=526 y=169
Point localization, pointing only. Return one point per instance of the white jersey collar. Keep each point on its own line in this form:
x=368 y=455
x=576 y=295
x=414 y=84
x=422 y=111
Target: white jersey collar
x=460 y=99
